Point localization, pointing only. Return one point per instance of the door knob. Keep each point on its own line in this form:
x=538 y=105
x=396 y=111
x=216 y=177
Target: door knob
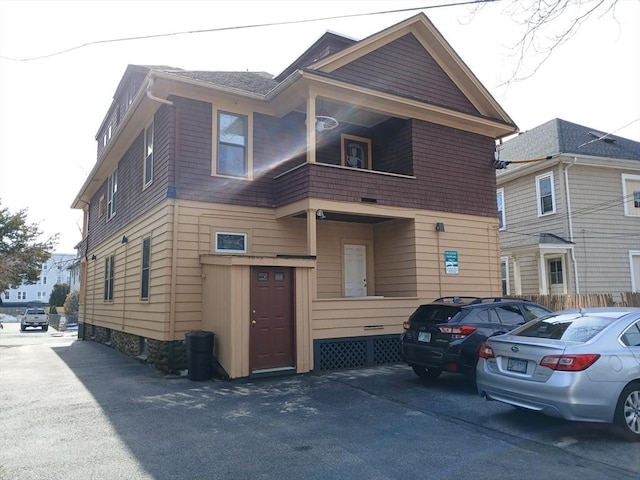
x=253 y=322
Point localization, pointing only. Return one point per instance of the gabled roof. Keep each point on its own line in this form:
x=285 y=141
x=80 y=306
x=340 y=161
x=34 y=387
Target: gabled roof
x=559 y=137
x=253 y=82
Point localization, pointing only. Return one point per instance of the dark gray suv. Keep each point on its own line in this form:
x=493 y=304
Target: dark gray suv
x=446 y=334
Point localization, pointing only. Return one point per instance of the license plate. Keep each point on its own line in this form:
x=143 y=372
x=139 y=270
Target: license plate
x=517 y=365
x=424 y=337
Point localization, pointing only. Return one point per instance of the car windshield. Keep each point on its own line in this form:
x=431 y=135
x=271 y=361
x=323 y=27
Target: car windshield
x=434 y=313
x=35 y=311
x=571 y=329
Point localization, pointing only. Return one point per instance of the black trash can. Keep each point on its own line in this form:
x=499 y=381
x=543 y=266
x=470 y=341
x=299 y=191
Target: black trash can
x=199 y=355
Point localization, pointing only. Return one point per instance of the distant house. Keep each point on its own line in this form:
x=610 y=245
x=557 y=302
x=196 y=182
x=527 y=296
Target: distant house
x=569 y=205
x=302 y=217
x=54 y=271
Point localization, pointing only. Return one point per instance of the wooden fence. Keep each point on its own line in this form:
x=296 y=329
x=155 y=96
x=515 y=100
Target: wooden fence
x=567 y=302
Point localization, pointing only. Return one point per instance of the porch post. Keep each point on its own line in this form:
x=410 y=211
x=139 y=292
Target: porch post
x=542 y=275
x=312 y=231
x=311 y=129
x=517 y=279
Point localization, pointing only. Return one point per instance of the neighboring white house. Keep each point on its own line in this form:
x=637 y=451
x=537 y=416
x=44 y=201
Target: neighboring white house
x=569 y=208
x=54 y=271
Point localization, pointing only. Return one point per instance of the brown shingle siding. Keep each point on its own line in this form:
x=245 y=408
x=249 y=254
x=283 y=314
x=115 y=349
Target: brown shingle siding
x=404 y=67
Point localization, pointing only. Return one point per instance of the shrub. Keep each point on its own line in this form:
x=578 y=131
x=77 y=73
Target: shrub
x=71 y=306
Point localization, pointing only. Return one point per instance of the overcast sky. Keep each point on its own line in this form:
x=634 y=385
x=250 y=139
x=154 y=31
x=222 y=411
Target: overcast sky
x=51 y=108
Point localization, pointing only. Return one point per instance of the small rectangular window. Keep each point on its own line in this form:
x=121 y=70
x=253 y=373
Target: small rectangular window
x=109 y=264
x=112 y=194
x=232 y=144
x=555 y=271
x=146 y=256
x=501 y=215
x=227 y=242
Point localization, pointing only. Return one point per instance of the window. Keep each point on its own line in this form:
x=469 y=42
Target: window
x=631 y=195
x=22 y=295
x=555 y=272
x=112 y=194
x=148 y=155
x=356 y=152
x=7 y=295
x=510 y=315
x=231 y=158
x=109 y=264
x=44 y=280
x=146 y=255
x=227 y=242
x=504 y=264
x=545 y=194
x=502 y=220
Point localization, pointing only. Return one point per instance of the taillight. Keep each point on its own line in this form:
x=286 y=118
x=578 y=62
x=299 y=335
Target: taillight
x=486 y=351
x=569 y=363
x=457 y=332
x=406 y=325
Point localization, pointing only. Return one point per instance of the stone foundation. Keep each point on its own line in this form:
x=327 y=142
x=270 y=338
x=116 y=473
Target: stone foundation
x=166 y=357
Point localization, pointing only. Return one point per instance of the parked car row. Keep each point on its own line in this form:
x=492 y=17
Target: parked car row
x=580 y=365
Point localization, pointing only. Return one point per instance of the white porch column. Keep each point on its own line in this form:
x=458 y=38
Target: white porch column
x=517 y=279
x=542 y=275
x=311 y=129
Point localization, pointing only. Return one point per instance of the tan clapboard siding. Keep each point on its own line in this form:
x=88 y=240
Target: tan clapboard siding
x=128 y=312
x=350 y=318
x=602 y=232
x=395 y=259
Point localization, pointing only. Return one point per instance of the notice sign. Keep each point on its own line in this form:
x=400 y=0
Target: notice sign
x=451 y=262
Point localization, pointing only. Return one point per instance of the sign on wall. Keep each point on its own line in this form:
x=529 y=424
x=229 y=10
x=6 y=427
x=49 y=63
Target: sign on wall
x=451 y=262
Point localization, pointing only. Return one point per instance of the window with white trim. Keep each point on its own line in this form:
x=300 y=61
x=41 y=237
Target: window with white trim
x=555 y=272
x=545 y=194
x=7 y=295
x=631 y=194
x=232 y=145
x=502 y=219
x=148 y=155
x=504 y=267
x=112 y=194
x=22 y=295
x=229 y=242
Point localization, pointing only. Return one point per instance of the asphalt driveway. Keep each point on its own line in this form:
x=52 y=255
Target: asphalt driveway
x=79 y=410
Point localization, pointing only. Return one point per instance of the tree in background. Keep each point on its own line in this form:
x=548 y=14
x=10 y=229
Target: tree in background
x=71 y=306
x=59 y=294
x=21 y=254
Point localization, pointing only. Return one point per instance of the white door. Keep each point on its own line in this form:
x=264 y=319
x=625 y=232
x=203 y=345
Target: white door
x=355 y=270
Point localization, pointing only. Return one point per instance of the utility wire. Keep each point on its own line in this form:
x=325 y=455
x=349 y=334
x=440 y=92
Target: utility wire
x=242 y=27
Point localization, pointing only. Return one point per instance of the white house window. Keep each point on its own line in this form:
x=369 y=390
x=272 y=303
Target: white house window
x=504 y=264
x=545 y=194
x=22 y=295
x=112 y=194
x=631 y=195
x=7 y=295
x=232 y=158
x=148 y=155
x=555 y=272
x=502 y=219
x=228 y=242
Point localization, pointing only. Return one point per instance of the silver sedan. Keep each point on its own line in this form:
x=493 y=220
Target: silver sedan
x=581 y=365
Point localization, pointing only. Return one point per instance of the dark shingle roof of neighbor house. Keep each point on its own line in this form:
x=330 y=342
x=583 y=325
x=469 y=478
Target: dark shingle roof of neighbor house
x=558 y=137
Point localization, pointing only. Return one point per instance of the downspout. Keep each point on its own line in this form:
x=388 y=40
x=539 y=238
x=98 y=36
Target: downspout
x=153 y=97
x=570 y=221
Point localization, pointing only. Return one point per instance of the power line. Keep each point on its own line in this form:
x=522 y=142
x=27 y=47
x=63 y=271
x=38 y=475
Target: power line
x=242 y=27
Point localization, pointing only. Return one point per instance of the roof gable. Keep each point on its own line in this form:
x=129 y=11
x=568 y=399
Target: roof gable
x=438 y=49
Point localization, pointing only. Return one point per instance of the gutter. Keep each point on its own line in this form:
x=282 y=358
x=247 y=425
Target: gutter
x=152 y=96
x=570 y=221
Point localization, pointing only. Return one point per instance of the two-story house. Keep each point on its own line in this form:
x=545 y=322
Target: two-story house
x=569 y=203
x=302 y=217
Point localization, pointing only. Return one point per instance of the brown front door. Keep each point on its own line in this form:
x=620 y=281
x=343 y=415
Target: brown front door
x=272 y=332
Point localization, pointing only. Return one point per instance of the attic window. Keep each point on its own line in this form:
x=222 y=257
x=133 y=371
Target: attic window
x=602 y=136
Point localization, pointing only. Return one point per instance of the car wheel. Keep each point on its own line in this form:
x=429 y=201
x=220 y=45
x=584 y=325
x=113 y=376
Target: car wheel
x=44 y=329
x=628 y=412
x=426 y=373
x=22 y=328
